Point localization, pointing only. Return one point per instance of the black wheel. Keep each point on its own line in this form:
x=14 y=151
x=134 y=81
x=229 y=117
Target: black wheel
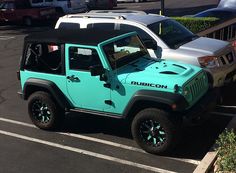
x=154 y=131
x=28 y=21
x=43 y=111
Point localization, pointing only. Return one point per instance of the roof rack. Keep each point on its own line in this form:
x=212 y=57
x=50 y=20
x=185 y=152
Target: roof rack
x=93 y=15
x=118 y=11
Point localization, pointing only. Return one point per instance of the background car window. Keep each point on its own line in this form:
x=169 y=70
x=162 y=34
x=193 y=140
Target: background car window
x=142 y=34
x=22 y=5
x=103 y=26
x=8 y=5
x=82 y=59
x=172 y=33
x=64 y=25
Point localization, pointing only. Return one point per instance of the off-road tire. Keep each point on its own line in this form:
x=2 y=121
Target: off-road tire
x=165 y=125
x=40 y=103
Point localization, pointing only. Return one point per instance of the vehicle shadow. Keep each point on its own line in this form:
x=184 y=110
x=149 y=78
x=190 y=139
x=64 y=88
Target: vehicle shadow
x=229 y=94
x=194 y=144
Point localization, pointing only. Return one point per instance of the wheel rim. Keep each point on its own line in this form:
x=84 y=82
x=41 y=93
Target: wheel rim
x=152 y=133
x=41 y=112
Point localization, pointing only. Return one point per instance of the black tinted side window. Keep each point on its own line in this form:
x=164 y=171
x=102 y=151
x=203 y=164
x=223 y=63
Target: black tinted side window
x=142 y=34
x=45 y=58
x=64 y=25
x=83 y=58
x=22 y=5
x=9 y=5
x=102 y=26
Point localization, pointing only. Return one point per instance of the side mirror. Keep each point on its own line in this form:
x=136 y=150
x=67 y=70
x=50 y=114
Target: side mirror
x=96 y=70
x=151 y=44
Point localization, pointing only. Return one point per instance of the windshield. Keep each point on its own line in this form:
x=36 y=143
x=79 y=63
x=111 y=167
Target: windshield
x=124 y=51
x=172 y=33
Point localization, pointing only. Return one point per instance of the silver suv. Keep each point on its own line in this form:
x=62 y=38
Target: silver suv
x=176 y=42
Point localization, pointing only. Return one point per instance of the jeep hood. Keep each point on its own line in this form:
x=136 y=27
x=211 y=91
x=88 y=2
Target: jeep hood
x=204 y=46
x=157 y=74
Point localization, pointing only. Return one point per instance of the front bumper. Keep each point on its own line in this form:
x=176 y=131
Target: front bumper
x=223 y=75
x=200 y=111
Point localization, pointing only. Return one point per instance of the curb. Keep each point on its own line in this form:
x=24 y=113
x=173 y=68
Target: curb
x=209 y=159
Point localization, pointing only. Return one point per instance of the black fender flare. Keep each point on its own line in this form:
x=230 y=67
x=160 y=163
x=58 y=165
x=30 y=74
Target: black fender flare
x=160 y=97
x=49 y=86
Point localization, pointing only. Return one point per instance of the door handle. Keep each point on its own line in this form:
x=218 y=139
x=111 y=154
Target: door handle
x=73 y=78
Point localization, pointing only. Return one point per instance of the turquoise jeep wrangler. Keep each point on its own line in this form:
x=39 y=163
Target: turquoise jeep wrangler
x=111 y=74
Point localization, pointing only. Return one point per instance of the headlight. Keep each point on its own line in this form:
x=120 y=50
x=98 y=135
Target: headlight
x=208 y=61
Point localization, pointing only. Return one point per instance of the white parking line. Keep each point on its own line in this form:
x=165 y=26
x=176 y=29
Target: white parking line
x=6 y=37
x=195 y=162
x=85 y=152
x=79 y=136
x=225 y=106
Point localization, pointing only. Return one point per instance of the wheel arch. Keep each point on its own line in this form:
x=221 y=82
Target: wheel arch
x=156 y=99
x=32 y=85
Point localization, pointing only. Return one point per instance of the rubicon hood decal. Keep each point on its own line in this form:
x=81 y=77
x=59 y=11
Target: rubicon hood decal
x=149 y=84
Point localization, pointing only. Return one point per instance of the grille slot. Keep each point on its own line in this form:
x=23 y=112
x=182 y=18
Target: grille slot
x=230 y=57
x=227 y=58
x=222 y=60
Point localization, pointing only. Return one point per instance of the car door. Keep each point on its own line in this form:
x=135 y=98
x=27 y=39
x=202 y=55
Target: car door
x=84 y=90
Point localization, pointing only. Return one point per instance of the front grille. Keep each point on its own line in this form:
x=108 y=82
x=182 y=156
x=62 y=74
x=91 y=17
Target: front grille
x=198 y=85
x=226 y=59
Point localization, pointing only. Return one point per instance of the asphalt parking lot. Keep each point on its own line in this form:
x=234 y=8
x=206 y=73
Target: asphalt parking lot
x=85 y=143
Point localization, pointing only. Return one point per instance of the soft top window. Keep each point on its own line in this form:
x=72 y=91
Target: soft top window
x=43 y=57
x=65 y=25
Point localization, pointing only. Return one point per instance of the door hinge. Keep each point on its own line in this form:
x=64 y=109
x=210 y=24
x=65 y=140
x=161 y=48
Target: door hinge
x=107 y=85
x=109 y=102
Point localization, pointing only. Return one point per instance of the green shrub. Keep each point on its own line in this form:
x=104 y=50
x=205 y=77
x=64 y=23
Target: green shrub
x=196 y=24
x=226 y=161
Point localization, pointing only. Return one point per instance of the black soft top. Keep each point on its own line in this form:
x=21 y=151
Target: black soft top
x=78 y=36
